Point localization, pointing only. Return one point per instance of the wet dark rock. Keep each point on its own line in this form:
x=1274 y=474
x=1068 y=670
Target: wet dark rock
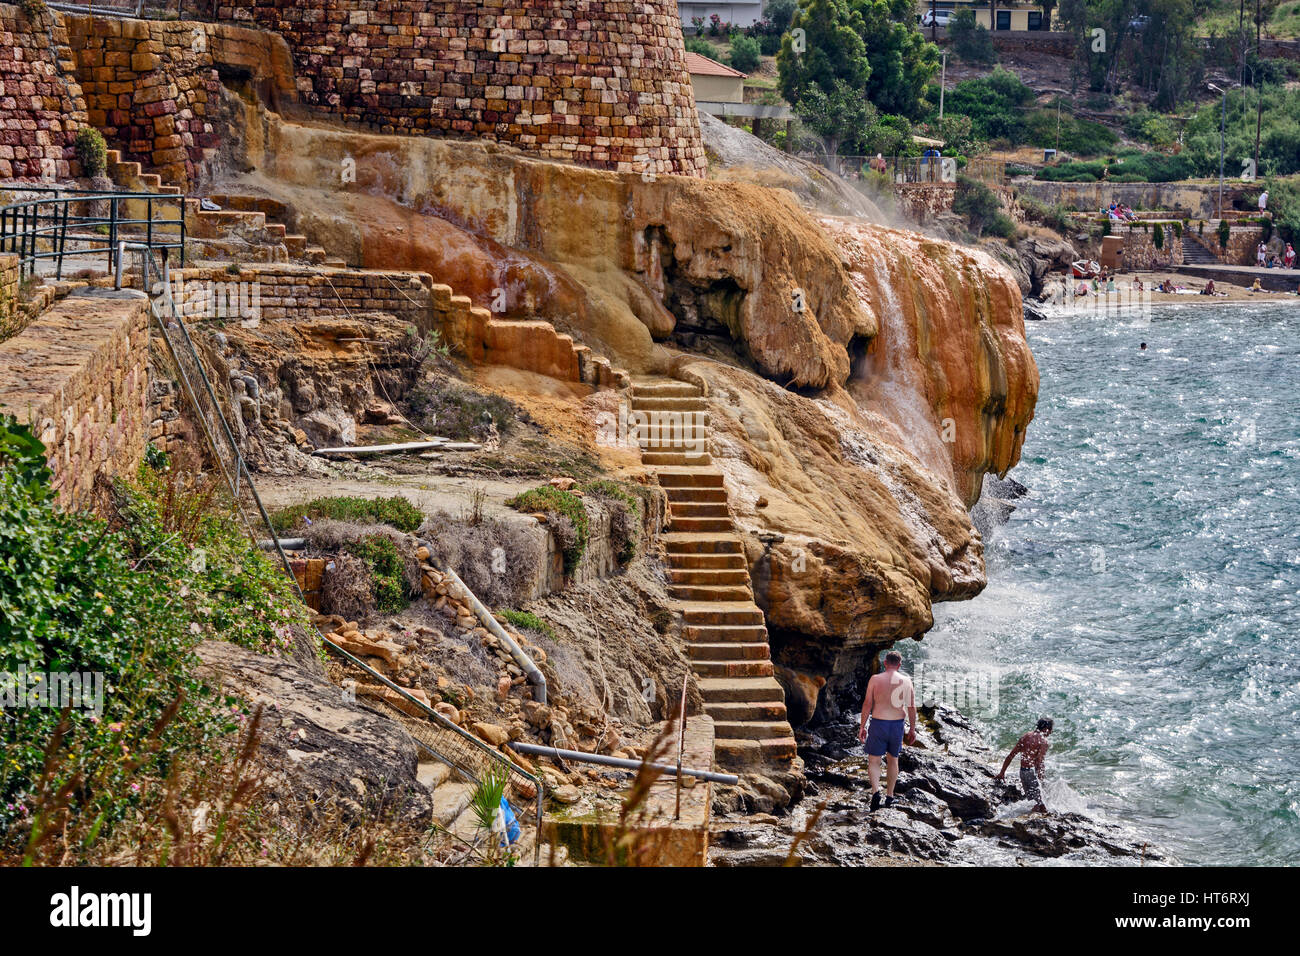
x=950 y=809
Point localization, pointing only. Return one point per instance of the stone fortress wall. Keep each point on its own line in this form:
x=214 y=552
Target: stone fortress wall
x=602 y=83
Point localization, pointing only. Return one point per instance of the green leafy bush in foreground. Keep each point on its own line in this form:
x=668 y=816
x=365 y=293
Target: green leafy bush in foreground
x=396 y=512
x=127 y=599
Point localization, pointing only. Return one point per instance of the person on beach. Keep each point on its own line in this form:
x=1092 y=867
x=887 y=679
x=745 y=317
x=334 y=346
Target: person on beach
x=1260 y=253
x=1255 y=287
x=1032 y=748
x=889 y=694
x=1288 y=259
x=1263 y=201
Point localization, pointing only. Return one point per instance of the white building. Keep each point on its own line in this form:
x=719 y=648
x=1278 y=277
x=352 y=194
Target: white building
x=737 y=14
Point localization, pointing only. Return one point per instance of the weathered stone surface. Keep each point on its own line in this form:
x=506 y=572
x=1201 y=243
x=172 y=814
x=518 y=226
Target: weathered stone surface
x=597 y=82
x=319 y=746
x=79 y=376
x=950 y=810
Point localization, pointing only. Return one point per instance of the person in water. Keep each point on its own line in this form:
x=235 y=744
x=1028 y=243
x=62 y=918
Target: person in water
x=1032 y=748
x=889 y=694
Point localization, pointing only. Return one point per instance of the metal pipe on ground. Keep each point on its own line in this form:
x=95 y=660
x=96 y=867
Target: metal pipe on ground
x=577 y=756
x=535 y=676
x=286 y=544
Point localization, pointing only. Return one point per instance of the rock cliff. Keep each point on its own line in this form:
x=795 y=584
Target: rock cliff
x=862 y=380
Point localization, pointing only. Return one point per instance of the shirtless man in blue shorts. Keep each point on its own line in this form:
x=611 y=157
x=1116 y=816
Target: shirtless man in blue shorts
x=889 y=695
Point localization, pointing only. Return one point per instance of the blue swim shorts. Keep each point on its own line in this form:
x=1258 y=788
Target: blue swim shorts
x=885 y=735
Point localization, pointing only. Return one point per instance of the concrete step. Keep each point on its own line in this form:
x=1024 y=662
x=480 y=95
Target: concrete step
x=723 y=633
x=665 y=389
x=675 y=458
x=668 y=403
x=742 y=754
x=731 y=711
x=736 y=690
x=726 y=612
x=686 y=542
x=700 y=524
x=734 y=651
x=707 y=562
x=709 y=577
x=752 y=729
x=726 y=592
x=688 y=495
x=700 y=509
x=688 y=478
x=732 y=668
x=296 y=244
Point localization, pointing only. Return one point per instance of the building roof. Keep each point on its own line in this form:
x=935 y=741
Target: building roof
x=700 y=65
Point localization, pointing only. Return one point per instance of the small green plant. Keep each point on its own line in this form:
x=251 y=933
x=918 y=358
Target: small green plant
x=527 y=621
x=32 y=9
x=397 y=512
x=573 y=527
x=387 y=569
x=1158 y=236
x=1225 y=233
x=91 y=150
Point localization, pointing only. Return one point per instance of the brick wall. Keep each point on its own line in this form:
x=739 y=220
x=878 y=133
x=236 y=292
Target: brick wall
x=79 y=377
x=283 y=292
x=1140 y=252
x=151 y=86
x=41 y=104
x=10 y=313
x=597 y=82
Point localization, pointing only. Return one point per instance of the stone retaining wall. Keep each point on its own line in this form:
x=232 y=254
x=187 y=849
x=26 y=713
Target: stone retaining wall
x=285 y=292
x=79 y=376
x=41 y=103
x=151 y=86
x=602 y=83
x=10 y=310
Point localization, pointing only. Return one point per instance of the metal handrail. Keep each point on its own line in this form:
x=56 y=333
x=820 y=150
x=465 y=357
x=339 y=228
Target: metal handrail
x=28 y=225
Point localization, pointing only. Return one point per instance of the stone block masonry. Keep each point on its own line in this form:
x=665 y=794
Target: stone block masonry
x=41 y=104
x=601 y=83
x=151 y=86
x=79 y=376
x=10 y=311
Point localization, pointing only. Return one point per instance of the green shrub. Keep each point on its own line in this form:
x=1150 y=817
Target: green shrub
x=527 y=621
x=129 y=600
x=1225 y=233
x=701 y=46
x=569 y=509
x=979 y=206
x=397 y=512
x=387 y=567
x=1158 y=236
x=745 y=52
x=32 y=9
x=970 y=40
x=91 y=151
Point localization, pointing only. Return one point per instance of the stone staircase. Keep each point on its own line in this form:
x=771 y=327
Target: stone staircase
x=245 y=228
x=709 y=579
x=1195 y=252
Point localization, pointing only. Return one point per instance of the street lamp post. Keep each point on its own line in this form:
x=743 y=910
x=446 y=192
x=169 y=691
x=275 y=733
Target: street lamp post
x=1223 y=120
x=943 y=77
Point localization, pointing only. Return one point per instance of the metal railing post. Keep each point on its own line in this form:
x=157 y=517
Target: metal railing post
x=112 y=231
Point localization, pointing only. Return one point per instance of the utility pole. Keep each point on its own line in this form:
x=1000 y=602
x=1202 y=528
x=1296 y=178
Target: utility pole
x=1223 y=120
x=943 y=77
x=935 y=26
x=1058 y=129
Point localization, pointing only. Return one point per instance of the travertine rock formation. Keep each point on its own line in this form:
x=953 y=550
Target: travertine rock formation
x=866 y=378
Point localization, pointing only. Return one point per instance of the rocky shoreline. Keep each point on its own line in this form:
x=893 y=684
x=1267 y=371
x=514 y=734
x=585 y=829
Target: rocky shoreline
x=951 y=811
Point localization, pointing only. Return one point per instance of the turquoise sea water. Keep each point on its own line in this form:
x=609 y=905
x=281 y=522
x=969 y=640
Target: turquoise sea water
x=1146 y=593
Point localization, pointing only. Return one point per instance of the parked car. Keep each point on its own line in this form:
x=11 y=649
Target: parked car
x=1139 y=23
x=939 y=18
